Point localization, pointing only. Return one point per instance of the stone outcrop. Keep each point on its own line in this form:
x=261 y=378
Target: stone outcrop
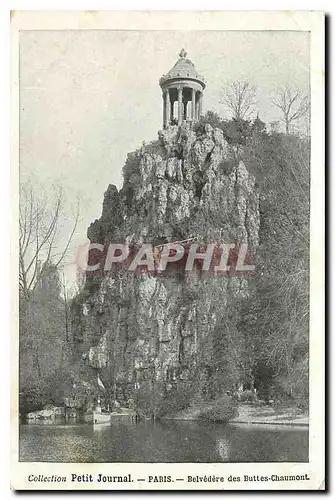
x=143 y=331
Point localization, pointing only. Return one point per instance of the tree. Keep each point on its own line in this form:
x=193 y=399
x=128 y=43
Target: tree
x=39 y=236
x=276 y=315
x=65 y=294
x=239 y=98
x=258 y=126
x=44 y=313
x=292 y=103
x=42 y=336
x=235 y=131
x=275 y=127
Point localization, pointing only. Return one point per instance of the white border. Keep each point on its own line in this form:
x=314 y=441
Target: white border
x=224 y=20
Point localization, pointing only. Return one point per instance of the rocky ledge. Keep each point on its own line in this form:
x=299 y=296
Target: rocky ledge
x=162 y=340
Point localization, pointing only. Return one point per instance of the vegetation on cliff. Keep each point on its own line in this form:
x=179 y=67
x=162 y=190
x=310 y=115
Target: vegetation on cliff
x=170 y=342
x=275 y=315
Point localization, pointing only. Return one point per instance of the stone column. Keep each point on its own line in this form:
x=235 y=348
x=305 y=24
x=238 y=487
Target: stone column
x=200 y=105
x=193 y=114
x=180 y=105
x=168 y=105
x=171 y=111
x=185 y=110
x=164 y=109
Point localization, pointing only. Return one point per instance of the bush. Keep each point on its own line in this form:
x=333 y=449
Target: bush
x=222 y=410
x=160 y=402
x=247 y=395
x=177 y=399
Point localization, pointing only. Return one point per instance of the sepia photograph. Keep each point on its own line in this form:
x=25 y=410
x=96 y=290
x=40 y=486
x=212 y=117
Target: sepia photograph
x=164 y=254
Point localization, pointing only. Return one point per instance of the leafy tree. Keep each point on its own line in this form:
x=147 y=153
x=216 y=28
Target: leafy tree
x=258 y=126
x=236 y=131
x=43 y=345
x=271 y=343
x=277 y=314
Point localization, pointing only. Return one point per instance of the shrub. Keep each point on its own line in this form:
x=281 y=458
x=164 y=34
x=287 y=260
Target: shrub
x=247 y=396
x=222 y=410
x=177 y=399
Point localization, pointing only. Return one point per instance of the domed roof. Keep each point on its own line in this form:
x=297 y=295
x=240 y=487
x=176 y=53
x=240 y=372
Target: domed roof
x=183 y=69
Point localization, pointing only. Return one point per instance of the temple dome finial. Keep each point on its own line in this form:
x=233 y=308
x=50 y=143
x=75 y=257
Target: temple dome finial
x=182 y=54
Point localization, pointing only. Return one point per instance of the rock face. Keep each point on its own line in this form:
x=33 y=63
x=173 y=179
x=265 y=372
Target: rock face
x=160 y=334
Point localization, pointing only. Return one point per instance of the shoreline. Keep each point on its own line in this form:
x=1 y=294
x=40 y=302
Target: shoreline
x=254 y=415
x=271 y=423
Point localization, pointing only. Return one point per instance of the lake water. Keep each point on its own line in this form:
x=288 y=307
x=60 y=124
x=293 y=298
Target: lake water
x=168 y=441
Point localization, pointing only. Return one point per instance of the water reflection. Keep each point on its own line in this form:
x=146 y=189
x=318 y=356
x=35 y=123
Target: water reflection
x=223 y=449
x=168 y=441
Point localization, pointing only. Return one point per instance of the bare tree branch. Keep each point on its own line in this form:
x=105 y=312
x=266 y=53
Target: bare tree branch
x=292 y=103
x=70 y=237
x=239 y=98
x=38 y=236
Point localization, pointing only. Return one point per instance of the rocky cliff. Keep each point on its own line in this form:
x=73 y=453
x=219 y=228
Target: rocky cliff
x=168 y=340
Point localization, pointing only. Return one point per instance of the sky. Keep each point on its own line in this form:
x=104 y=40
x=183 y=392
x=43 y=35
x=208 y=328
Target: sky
x=88 y=97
